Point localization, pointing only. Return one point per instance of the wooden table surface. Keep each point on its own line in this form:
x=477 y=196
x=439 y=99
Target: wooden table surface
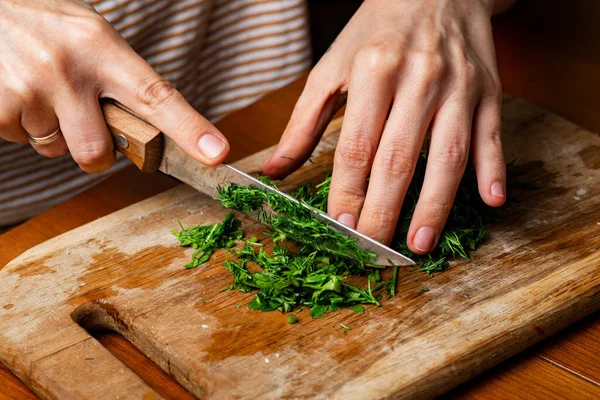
x=547 y=53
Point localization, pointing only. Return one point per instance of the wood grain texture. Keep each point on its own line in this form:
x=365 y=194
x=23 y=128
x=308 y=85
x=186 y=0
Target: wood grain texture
x=249 y=130
x=547 y=52
x=155 y=377
x=528 y=378
x=124 y=272
x=143 y=144
x=576 y=350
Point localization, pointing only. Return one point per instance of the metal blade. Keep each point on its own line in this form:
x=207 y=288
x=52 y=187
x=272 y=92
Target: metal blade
x=205 y=179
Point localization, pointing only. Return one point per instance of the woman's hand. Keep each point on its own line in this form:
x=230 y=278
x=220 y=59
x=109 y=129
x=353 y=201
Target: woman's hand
x=419 y=64
x=58 y=58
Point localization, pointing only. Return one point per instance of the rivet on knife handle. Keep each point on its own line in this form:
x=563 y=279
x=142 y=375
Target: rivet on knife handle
x=138 y=140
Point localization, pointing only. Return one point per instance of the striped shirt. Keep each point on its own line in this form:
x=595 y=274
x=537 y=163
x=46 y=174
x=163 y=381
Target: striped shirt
x=221 y=54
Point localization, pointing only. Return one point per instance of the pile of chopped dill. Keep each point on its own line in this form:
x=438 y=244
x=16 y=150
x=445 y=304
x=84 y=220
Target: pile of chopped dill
x=309 y=263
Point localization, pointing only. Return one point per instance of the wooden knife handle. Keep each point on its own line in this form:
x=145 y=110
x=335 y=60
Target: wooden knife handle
x=135 y=138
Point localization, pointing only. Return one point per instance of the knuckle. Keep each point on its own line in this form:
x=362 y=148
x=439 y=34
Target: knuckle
x=397 y=162
x=437 y=207
x=453 y=156
x=355 y=153
x=93 y=156
x=431 y=68
x=381 y=217
x=154 y=91
x=377 y=59
x=348 y=198
x=467 y=71
x=432 y=65
x=51 y=59
x=90 y=29
x=25 y=88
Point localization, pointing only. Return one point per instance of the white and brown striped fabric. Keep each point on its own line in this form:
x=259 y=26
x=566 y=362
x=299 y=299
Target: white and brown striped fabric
x=221 y=54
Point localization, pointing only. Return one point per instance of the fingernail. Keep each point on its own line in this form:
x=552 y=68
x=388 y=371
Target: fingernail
x=424 y=239
x=498 y=189
x=211 y=146
x=348 y=220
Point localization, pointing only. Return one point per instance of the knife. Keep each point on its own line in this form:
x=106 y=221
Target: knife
x=150 y=150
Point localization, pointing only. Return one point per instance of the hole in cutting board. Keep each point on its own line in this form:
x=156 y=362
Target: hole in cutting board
x=102 y=326
x=141 y=365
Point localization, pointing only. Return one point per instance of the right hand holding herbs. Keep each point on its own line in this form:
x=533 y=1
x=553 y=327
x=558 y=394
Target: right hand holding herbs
x=59 y=57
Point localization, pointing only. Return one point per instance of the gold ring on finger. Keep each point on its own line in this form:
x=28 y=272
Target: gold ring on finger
x=41 y=141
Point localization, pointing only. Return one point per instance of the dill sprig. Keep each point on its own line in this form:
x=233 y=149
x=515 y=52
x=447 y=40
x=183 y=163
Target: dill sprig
x=292 y=222
x=314 y=273
x=207 y=238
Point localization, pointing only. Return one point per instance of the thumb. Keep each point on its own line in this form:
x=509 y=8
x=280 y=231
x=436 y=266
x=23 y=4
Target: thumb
x=132 y=82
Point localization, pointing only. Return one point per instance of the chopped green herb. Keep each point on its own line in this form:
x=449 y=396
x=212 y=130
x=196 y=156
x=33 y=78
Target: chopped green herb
x=345 y=326
x=318 y=311
x=207 y=238
x=292 y=319
x=423 y=290
x=314 y=273
x=310 y=160
x=237 y=305
x=358 y=309
x=390 y=286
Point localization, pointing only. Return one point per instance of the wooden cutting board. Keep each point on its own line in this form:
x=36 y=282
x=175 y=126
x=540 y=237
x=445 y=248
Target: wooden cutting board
x=538 y=272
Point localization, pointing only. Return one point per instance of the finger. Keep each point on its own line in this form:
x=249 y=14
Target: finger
x=10 y=121
x=486 y=149
x=394 y=166
x=13 y=132
x=39 y=122
x=448 y=155
x=84 y=129
x=134 y=83
x=369 y=98
x=313 y=111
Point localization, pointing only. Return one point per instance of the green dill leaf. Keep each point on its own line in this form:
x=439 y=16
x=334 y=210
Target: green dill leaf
x=423 y=290
x=374 y=276
x=318 y=311
x=254 y=304
x=390 y=286
x=206 y=238
x=358 y=309
x=313 y=274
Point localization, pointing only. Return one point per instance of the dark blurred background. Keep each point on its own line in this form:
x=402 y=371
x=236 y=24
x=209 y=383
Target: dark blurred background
x=327 y=18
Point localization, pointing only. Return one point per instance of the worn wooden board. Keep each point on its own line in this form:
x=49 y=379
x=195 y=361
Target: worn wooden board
x=538 y=272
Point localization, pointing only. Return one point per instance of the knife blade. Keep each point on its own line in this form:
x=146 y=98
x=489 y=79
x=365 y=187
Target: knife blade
x=150 y=150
